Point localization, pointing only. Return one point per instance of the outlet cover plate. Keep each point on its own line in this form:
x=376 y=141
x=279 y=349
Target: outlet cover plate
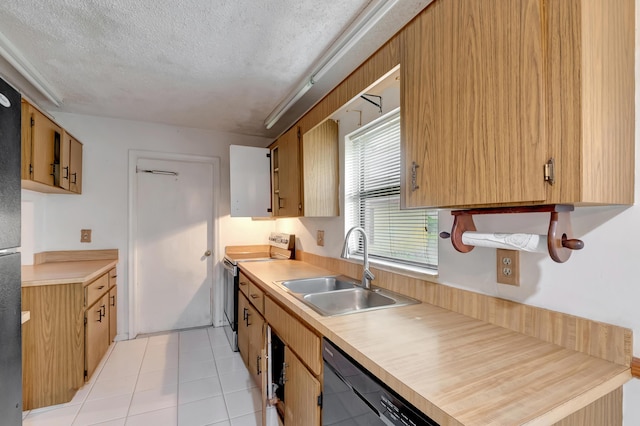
x=85 y=235
x=320 y=238
x=508 y=266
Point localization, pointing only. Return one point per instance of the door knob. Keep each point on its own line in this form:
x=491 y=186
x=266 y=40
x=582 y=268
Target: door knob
x=207 y=253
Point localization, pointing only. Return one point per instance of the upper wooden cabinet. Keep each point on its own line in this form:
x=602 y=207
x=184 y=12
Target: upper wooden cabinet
x=285 y=178
x=51 y=157
x=492 y=90
x=320 y=167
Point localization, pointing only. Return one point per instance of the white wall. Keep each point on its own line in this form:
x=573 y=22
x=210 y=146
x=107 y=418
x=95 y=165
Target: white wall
x=53 y=221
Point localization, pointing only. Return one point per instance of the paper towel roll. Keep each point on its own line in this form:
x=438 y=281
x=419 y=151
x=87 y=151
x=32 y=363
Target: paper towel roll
x=526 y=242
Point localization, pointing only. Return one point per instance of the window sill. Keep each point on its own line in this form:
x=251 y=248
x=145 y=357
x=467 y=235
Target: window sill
x=397 y=268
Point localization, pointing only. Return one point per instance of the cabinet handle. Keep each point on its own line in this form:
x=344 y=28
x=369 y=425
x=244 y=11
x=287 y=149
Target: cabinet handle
x=284 y=372
x=258 y=365
x=414 y=176
x=101 y=287
x=244 y=314
x=113 y=301
x=101 y=313
x=66 y=173
x=75 y=177
x=243 y=283
x=53 y=169
x=247 y=319
x=254 y=296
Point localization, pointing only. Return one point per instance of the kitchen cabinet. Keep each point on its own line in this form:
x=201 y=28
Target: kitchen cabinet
x=51 y=157
x=250 y=181
x=320 y=170
x=113 y=313
x=301 y=392
x=285 y=175
x=73 y=176
x=302 y=365
x=96 y=333
x=71 y=327
x=492 y=91
x=250 y=337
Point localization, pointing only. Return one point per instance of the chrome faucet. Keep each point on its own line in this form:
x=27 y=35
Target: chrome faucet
x=367 y=276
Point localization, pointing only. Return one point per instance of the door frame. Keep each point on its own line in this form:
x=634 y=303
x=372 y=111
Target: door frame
x=216 y=257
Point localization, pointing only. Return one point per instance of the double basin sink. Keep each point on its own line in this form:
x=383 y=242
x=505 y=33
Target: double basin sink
x=340 y=295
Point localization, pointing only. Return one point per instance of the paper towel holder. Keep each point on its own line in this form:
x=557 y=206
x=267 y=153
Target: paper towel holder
x=559 y=236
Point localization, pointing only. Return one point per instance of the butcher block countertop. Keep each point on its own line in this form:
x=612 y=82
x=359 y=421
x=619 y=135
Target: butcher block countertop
x=83 y=271
x=456 y=369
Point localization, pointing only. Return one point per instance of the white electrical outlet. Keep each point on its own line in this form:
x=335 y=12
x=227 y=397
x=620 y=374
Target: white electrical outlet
x=508 y=266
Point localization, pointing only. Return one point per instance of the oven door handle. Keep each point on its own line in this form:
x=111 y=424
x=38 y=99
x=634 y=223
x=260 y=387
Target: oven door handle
x=229 y=266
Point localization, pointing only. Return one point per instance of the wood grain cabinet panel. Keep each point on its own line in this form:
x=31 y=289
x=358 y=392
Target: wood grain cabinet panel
x=301 y=393
x=243 y=328
x=51 y=157
x=492 y=90
x=285 y=175
x=113 y=313
x=320 y=167
x=52 y=344
x=96 y=289
x=96 y=333
x=472 y=104
x=295 y=334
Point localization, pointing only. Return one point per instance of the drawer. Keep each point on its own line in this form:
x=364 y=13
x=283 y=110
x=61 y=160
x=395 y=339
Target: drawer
x=301 y=340
x=256 y=297
x=96 y=289
x=244 y=284
x=113 y=277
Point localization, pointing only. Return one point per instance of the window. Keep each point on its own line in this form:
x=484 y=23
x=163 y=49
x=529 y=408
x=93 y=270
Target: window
x=372 y=198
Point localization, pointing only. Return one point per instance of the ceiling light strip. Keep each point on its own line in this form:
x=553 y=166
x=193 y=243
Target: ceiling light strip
x=12 y=55
x=349 y=38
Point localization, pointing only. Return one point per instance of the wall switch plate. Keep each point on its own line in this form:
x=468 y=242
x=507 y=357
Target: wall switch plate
x=508 y=266
x=320 y=238
x=85 y=235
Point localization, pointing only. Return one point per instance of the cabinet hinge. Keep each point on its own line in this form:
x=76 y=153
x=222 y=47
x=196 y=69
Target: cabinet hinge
x=33 y=122
x=299 y=134
x=269 y=210
x=85 y=320
x=30 y=169
x=268 y=155
x=320 y=400
x=85 y=373
x=549 y=171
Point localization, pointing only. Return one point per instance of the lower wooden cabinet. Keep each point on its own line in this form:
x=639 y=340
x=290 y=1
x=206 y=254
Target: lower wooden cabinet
x=70 y=330
x=113 y=313
x=302 y=354
x=96 y=332
x=301 y=392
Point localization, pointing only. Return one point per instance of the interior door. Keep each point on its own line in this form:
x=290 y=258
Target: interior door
x=174 y=244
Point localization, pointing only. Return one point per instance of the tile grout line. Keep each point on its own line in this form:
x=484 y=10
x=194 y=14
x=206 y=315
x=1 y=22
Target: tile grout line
x=146 y=345
x=224 y=398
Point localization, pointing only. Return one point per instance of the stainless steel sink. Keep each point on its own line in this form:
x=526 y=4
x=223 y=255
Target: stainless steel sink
x=319 y=284
x=347 y=301
x=340 y=295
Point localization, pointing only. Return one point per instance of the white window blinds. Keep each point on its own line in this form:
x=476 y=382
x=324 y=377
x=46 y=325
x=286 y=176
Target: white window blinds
x=372 y=198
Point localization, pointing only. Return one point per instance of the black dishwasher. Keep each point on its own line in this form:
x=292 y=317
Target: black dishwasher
x=354 y=397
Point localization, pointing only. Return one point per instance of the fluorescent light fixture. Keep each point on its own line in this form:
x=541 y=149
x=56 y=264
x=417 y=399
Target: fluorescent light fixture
x=12 y=55
x=349 y=38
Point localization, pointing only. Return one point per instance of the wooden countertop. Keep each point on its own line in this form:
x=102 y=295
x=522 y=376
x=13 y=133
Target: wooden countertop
x=65 y=272
x=456 y=369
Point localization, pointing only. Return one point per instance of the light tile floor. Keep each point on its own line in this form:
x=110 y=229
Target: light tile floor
x=187 y=378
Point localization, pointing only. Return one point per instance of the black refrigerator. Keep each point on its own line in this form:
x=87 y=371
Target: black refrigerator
x=10 y=323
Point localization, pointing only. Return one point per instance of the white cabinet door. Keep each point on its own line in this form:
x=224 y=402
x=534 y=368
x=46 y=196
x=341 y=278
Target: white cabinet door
x=250 y=181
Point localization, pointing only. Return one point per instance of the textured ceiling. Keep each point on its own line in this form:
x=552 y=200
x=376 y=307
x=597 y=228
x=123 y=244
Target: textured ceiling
x=221 y=65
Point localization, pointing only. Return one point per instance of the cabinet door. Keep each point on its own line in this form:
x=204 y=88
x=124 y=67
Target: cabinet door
x=113 y=315
x=286 y=175
x=256 y=344
x=301 y=392
x=44 y=136
x=472 y=104
x=243 y=328
x=96 y=333
x=75 y=166
x=65 y=153
x=320 y=170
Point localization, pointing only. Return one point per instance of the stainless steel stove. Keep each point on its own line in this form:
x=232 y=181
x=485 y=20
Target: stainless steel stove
x=281 y=247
